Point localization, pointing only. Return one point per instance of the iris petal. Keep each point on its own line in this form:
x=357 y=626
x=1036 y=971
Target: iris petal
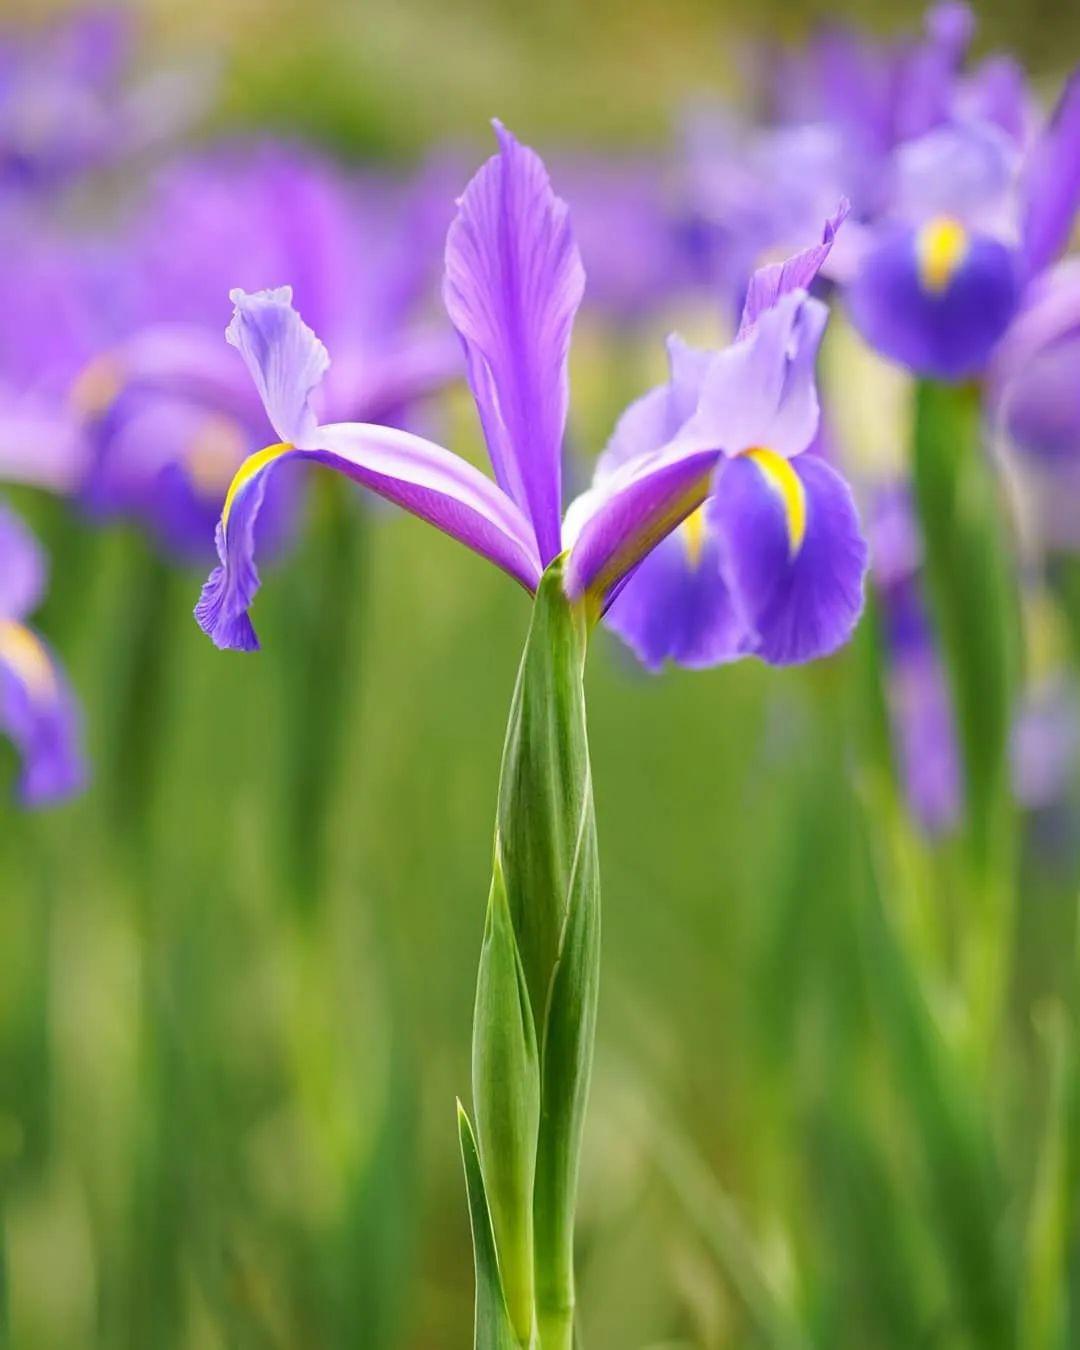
x=513 y=283
x=416 y=474
x=799 y=604
x=286 y=360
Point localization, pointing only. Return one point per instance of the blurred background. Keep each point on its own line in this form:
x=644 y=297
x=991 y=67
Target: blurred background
x=237 y=972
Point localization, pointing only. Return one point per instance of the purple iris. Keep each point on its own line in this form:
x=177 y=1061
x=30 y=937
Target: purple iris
x=513 y=283
x=773 y=565
x=168 y=413
x=975 y=217
x=920 y=703
x=37 y=709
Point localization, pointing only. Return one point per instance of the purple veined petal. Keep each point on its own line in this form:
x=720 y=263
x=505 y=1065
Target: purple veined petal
x=513 y=284
x=39 y=714
x=938 y=308
x=791 y=552
x=286 y=360
x=676 y=605
x=769 y=283
x=23 y=569
x=413 y=473
x=1051 y=183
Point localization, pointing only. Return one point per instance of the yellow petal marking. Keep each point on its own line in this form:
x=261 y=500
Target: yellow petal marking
x=25 y=653
x=941 y=245
x=787 y=485
x=252 y=466
x=693 y=528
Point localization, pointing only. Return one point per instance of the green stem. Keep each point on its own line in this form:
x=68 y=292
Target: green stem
x=547 y=885
x=970 y=576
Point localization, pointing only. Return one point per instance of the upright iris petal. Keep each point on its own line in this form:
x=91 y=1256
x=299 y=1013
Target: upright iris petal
x=513 y=284
x=1051 y=183
x=37 y=709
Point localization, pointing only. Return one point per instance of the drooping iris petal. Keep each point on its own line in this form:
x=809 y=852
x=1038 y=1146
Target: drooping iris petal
x=938 y=312
x=22 y=568
x=795 y=571
x=1051 y=184
x=676 y=605
x=769 y=283
x=512 y=287
x=39 y=715
x=407 y=470
x=286 y=360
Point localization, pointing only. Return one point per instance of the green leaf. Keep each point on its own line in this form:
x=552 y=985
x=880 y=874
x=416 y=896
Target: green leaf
x=493 y=1327
x=506 y=1099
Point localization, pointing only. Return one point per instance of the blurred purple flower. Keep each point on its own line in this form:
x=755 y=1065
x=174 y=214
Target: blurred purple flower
x=37 y=709
x=67 y=108
x=975 y=217
x=513 y=284
x=169 y=413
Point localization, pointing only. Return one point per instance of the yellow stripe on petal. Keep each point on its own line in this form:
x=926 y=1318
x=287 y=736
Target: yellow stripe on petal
x=251 y=468
x=693 y=528
x=787 y=485
x=940 y=247
x=27 y=656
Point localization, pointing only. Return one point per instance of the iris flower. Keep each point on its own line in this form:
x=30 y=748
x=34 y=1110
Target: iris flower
x=512 y=285
x=37 y=709
x=977 y=218
x=772 y=565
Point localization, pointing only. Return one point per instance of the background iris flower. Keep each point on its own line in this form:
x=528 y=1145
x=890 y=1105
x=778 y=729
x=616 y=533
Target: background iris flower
x=37 y=709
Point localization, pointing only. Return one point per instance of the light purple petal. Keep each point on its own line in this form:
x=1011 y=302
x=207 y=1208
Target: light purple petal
x=1051 y=184
x=760 y=392
x=413 y=473
x=513 y=283
x=22 y=568
x=799 y=604
x=286 y=360
x=39 y=714
x=769 y=283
